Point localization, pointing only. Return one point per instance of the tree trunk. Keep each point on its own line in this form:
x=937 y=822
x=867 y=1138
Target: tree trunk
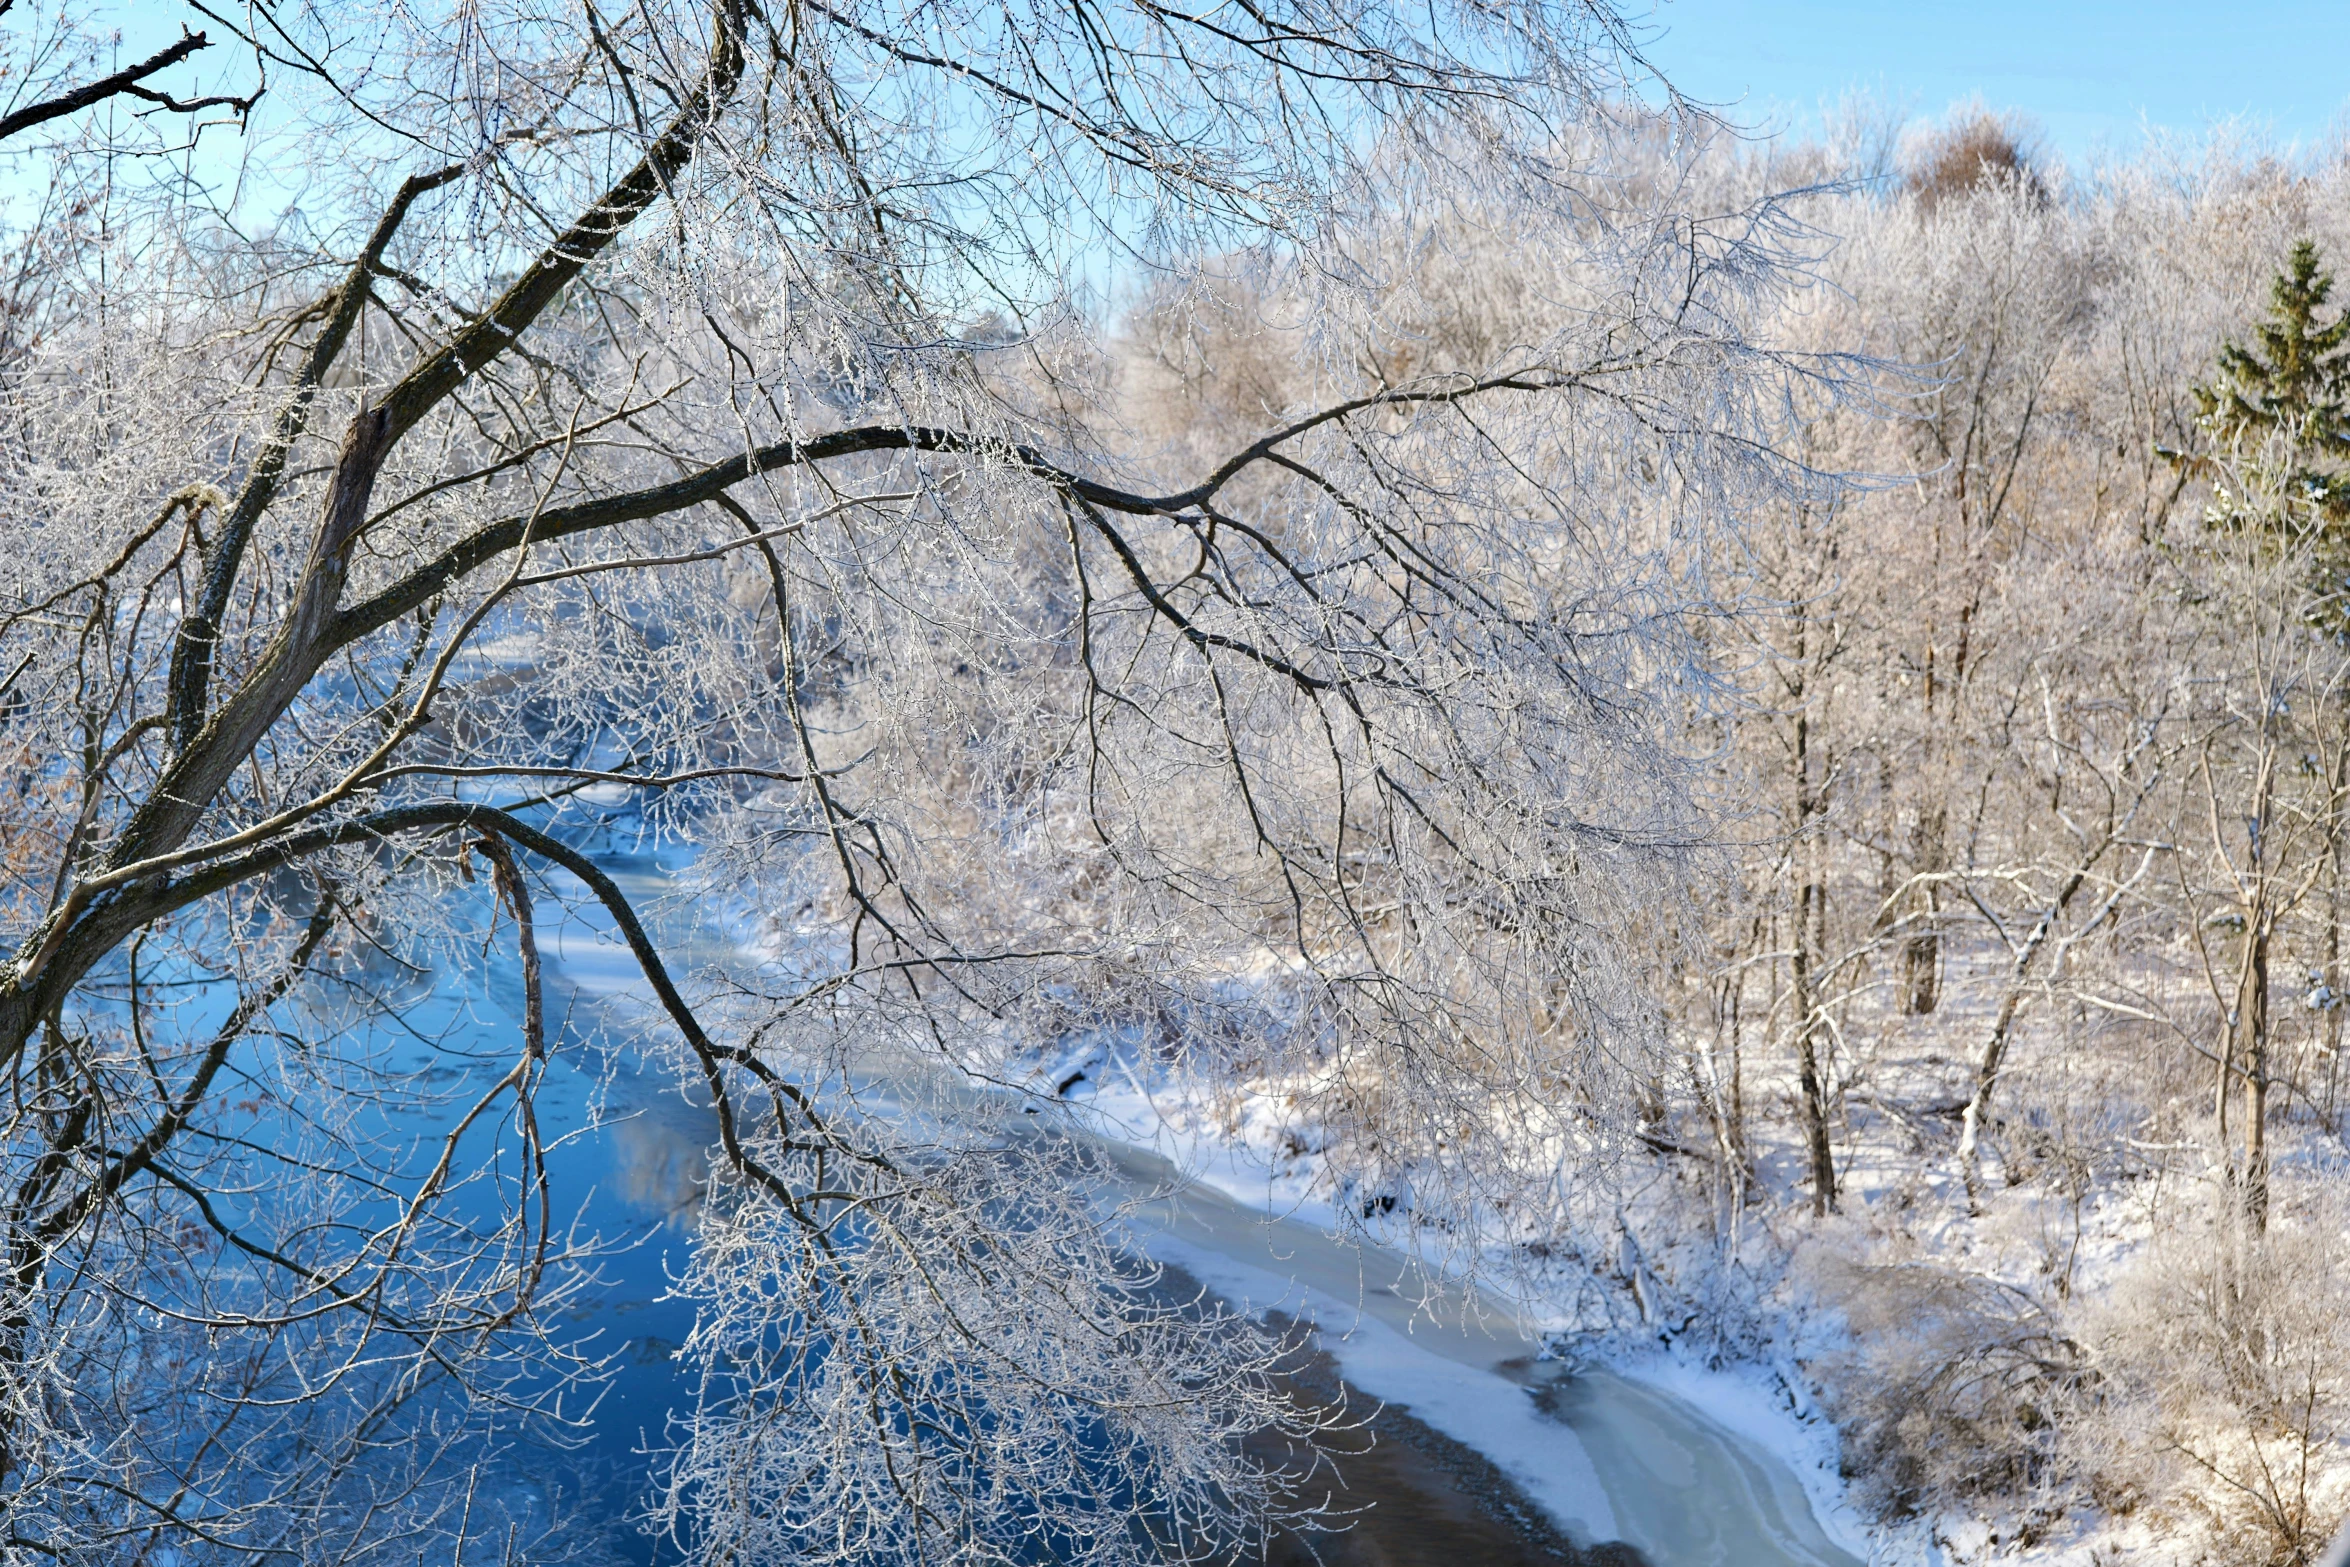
x=2251 y=1048
x=1804 y=964
x=1718 y=1083
x=2331 y=978
x=1994 y=1057
x=1921 y=954
x=1809 y=908
x=1738 y=1061
x=1978 y=1105
x=2248 y=1018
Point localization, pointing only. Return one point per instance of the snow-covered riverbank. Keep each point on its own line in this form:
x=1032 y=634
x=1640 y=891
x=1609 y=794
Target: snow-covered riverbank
x=1694 y=1467
x=1613 y=1454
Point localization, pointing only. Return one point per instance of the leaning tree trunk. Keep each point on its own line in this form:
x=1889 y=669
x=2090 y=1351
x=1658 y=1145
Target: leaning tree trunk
x=1994 y=1056
x=1978 y=1105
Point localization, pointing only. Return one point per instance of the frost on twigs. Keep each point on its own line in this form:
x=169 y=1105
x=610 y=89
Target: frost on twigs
x=950 y=1358
x=749 y=465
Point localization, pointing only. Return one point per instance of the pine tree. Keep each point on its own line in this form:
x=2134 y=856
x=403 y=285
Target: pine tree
x=2279 y=415
x=2277 y=419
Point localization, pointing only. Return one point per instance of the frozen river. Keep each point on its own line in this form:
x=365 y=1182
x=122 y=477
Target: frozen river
x=1610 y=1457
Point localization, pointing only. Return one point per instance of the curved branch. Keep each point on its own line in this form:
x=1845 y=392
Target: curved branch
x=441 y=372
x=175 y=1117
x=706 y=486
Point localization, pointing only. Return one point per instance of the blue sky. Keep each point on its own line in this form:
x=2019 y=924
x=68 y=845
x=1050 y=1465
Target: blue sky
x=2090 y=72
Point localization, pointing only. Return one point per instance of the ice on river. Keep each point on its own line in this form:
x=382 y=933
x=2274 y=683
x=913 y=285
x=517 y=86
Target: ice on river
x=1473 y=1405
x=1610 y=1457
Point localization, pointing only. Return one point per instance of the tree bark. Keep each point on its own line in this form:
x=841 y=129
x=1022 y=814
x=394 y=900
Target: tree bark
x=2251 y=1048
x=2331 y=976
x=1810 y=906
x=1921 y=954
x=1994 y=1056
x=1805 y=962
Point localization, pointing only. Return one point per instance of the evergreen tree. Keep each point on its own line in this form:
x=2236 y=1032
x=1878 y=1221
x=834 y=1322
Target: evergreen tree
x=2279 y=432
x=2278 y=414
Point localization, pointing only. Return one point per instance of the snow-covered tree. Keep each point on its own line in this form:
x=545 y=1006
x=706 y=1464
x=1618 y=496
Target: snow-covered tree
x=725 y=419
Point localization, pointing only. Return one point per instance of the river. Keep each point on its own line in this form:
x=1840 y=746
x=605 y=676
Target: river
x=1607 y=1456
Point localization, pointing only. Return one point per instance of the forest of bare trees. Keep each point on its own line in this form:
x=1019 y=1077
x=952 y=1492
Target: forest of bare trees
x=1748 y=740
x=465 y=441
x=2029 y=985
x=1999 y=1072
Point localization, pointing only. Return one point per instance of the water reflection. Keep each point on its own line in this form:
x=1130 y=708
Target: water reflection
x=660 y=1159
x=628 y=1163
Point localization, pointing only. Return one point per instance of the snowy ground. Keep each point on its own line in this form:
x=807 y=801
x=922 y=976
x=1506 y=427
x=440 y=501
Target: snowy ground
x=1698 y=1466
x=1760 y=1387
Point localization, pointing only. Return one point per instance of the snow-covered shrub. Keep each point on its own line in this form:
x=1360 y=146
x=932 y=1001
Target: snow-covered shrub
x=1954 y=1388
x=2226 y=1357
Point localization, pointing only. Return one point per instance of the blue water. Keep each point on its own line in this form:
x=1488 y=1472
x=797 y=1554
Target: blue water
x=626 y=1158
